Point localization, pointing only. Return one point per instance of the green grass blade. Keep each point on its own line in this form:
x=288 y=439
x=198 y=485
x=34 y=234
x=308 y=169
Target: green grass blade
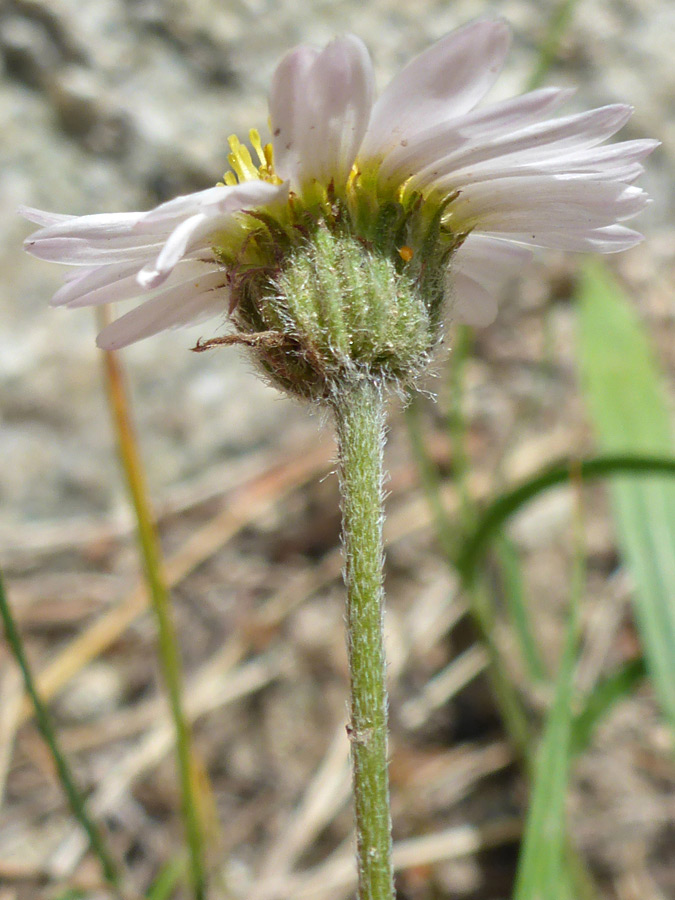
x=543 y=872
x=624 y=394
x=44 y=722
x=478 y=597
x=603 y=697
x=518 y=610
x=167 y=880
x=169 y=654
x=507 y=504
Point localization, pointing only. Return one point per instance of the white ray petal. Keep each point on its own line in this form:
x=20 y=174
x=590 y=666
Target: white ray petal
x=505 y=116
x=82 y=252
x=63 y=240
x=184 y=206
x=182 y=304
x=532 y=144
x=212 y=202
x=565 y=200
x=610 y=239
x=172 y=252
x=470 y=302
x=337 y=104
x=621 y=152
x=195 y=234
x=101 y=227
x=618 y=162
x=447 y=80
x=41 y=217
x=113 y=284
x=82 y=283
x=286 y=103
x=625 y=174
x=490 y=260
x=485 y=123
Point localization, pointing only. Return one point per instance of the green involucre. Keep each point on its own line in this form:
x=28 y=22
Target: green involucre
x=328 y=303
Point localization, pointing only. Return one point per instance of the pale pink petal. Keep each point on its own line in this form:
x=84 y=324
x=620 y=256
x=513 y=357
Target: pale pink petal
x=101 y=227
x=618 y=162
x=556 y=202
x=498 y=170
x=490 y=260
x=505 y=116
x=478 y=272
x=214 y=200
x=249 y=195
x=81 y=252
x=470 y=302
x=112 y=284
x=95 y=239
x=172 y=252
x=610 y=239
x=485 y=123
x=197 y=232
x=83 y=283
x=445 y=81
x=120 y=237
x=532 y=144
x=597 y=158
x=319 y=106
x=40 y=217
x=287 y=110
x=182 y=304
x=340 y=87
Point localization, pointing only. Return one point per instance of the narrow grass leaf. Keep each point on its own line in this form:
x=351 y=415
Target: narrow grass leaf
x=606 y=694
x=167 y=880
x=63 y=770
x=169 y=655
x=625 y=397
x=517 y=607
x=507 y=504
x=542 y=870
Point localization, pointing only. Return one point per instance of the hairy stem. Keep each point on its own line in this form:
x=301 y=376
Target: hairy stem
x=359 y=412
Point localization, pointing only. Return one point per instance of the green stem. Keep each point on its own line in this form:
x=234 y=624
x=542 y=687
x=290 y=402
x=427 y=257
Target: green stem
x=169 y=654
x=44 y=723
x=359 y=412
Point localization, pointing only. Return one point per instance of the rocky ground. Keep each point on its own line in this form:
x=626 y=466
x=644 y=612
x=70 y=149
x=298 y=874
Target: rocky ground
x=118 y=104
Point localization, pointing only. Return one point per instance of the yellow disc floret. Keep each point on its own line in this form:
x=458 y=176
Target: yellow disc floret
x=243 y=167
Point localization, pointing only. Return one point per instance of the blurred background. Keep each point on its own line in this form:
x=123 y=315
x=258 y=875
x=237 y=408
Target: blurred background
x=117 y=105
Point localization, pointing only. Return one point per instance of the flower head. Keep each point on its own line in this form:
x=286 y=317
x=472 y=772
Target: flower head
x=441 y=195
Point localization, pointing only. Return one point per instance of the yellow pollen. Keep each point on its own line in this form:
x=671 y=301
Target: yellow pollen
x=240 y=160
x=256 y=143
x=243 y=167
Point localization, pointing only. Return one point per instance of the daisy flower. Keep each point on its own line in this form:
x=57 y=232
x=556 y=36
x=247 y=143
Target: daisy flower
x=446 y=194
